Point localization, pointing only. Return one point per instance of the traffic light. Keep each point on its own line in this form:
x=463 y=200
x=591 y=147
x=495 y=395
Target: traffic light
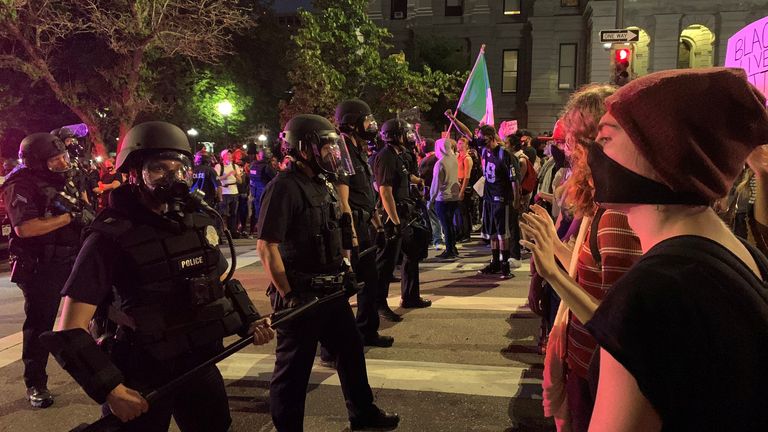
x=621 y=70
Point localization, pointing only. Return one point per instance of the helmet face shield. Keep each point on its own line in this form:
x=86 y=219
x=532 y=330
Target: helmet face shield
x=165 y=169
x=332 y=155
x=59 y=163
x=370 y=126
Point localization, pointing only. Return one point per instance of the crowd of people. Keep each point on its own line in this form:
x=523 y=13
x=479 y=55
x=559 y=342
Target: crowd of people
x=644 y=212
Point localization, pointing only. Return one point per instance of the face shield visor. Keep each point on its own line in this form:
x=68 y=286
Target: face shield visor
x=168 y=176
x=332 y=155
x=59 y=163
x=370 y=127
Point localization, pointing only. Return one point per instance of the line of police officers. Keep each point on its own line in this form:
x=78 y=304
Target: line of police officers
x=152 y=260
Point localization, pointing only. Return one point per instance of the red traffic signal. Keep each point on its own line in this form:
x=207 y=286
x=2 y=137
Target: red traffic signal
x=622 y=54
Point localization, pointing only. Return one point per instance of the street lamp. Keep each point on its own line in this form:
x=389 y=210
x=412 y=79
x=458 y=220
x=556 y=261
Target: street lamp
x=262 y=138
x=192 y=132
x=225 y=109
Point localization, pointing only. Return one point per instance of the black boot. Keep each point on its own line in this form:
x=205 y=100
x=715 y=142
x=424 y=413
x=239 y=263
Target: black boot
x=378 y=421
x=388 y=314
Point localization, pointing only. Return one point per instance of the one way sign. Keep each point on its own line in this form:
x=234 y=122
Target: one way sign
x=619 y=36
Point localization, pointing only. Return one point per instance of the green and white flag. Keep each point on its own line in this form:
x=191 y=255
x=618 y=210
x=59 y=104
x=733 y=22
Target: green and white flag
x=476 y=100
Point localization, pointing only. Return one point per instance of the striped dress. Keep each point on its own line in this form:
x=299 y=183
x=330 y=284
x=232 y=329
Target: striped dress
x=619 y=248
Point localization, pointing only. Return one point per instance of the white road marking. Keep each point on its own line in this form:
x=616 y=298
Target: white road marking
x=496 y=381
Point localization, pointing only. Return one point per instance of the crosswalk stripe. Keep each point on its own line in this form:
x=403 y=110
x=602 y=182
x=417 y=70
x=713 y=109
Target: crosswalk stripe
x=501 y=304
x=478 y=380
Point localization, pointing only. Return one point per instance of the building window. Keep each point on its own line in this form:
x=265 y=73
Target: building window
x=566 y=77
x=454 y=7
x=511 y=7
x=399 y=9
x=569 y=3
x=509 y=72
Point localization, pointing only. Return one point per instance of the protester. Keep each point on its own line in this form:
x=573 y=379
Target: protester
x=229 y=176
x=696 y=300
x=445 y=192
x=463 y=222
x=609 y=249
x=110 y=180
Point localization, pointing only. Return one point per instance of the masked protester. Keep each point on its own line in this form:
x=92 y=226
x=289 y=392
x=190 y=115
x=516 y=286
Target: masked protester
x=155 y=259
x=300 y=245
x=45 y=237
x=692 y=313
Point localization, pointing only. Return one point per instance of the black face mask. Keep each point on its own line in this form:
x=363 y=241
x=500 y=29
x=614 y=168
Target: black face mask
x=615 y=184
x=559 y=156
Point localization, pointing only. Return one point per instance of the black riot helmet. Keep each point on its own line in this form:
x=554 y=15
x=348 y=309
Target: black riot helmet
x=36 y=149
x=148 y=138
x=159 y=153
x=394 y=129
x=318 y=138
x=351 y=116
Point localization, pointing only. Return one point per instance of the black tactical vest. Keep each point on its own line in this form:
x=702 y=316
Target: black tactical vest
x=167 y=283
x=313 y=242
x=60 y=245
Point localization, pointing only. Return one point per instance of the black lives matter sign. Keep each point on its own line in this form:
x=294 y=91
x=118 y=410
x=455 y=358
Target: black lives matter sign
x=748 y=50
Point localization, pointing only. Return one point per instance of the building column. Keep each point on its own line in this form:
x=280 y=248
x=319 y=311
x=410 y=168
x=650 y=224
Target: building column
x=730 y=23
x=666 y=42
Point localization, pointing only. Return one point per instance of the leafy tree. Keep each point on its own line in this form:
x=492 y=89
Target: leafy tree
x=119 y=39
x=338 y=54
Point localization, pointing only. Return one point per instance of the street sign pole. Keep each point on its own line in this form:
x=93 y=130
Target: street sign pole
x=619 y=14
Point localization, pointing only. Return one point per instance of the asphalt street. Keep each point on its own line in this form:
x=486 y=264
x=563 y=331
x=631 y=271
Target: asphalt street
x=468 y=363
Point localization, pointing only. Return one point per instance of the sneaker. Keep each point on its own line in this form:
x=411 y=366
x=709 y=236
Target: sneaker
x=378 y=340
x=439 y=246
x=39 y=397
x=416 y=304
x=493 y=268
x=379 y=421
x=506 y=273
x=514 y=263
x=388 y=314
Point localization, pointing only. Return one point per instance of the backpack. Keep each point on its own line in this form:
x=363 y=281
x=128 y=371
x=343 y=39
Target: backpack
x=528 y=183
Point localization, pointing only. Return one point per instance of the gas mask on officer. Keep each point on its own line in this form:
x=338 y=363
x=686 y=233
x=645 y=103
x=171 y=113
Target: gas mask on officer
x=369 y=128
x=168 y=176
x=331 y=155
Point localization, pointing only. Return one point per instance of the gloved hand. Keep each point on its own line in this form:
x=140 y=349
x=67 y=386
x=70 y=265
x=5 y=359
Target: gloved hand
x=293 y=299
x=82 y=217
x=351 y=285
x=381 y=238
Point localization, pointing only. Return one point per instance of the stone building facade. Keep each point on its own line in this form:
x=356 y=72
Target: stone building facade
x=539 y=51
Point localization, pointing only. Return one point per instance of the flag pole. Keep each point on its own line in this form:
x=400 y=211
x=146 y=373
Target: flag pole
x=464 y=91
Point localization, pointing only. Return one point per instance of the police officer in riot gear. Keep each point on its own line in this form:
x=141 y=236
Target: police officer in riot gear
x=358 y=126
x=300 y=245
x=155 y=258
x=38 y=196
x=393 y=179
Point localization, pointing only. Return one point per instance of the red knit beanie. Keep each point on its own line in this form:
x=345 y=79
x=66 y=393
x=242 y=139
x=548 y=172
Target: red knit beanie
x=695 y=126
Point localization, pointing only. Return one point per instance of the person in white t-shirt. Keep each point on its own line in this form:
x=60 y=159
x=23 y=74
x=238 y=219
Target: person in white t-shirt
x=229 y=176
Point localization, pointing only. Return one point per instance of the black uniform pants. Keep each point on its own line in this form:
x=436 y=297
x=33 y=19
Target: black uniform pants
x=365 y=269
x=409 y=273
x=463 y=219
x=332 y=324
x=200 y=405
x=41 y=304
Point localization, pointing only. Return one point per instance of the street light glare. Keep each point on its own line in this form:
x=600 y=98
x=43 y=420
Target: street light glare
x=262 y=137
x=192 y=132
x=224 y=108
